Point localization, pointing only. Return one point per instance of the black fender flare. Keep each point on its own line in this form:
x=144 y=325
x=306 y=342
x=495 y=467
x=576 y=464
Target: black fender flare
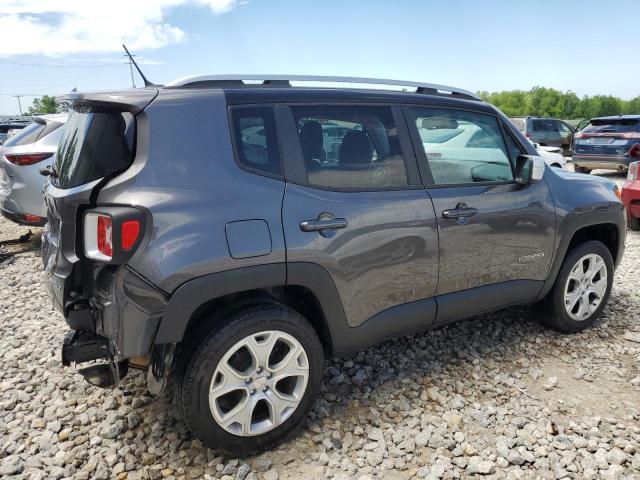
x=190 y=296
x=193 y=294
x=571 y=224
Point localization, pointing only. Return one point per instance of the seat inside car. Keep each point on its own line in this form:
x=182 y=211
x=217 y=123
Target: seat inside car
x=311 y=143
x=356 y=149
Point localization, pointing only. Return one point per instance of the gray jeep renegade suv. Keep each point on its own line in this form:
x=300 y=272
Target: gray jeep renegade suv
x=235 y=233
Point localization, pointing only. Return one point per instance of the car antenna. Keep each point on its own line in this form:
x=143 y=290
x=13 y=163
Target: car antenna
x=147 y=83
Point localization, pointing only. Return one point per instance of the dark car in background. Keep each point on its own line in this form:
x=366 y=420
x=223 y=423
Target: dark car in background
x=609 y=143
x=548 y=132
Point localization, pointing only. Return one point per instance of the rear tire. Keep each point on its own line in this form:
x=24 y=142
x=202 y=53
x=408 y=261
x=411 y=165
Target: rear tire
x=582 y=170
x=251 y=380
x=634 y=223
x=581 y=290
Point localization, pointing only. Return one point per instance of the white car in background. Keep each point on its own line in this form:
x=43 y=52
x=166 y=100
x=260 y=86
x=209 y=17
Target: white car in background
x=551 y=155
x=441 y=135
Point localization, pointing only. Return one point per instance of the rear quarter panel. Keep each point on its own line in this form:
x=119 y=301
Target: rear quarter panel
x=186 y=177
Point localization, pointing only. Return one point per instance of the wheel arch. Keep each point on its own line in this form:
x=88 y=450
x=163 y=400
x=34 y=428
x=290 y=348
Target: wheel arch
x=576 y=229
x=190 y=307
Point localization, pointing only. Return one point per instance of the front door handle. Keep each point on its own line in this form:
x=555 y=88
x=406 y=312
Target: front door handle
x=461 y=211
x=323 y=224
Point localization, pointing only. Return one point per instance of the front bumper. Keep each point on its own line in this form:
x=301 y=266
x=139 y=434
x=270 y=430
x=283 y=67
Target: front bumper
x=602 y=162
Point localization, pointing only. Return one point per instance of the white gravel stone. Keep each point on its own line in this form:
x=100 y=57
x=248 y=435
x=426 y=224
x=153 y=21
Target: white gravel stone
x=462 y=400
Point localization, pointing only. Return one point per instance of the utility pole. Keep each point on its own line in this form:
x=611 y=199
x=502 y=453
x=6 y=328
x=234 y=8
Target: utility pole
x=133 y=84
x=19 y=104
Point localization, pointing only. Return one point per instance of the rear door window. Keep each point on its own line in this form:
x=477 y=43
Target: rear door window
x=93 y=146
x=471 y=150
x=353 y=147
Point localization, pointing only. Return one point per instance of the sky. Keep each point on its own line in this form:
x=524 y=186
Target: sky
x=586 y=46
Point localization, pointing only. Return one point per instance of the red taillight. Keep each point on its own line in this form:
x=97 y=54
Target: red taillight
x=129 y=231
x=634 y=152
x=113 y=233
x=634 y=168
x=27 y=158
x=32 y=218
x=98 y=236
x=578 y=135
x=105 y=236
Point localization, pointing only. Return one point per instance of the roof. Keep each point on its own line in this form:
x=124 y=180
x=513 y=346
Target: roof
x=51 y=117
x=618 y=117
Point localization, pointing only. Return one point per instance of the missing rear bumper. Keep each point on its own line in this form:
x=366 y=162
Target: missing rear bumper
x=80 y=346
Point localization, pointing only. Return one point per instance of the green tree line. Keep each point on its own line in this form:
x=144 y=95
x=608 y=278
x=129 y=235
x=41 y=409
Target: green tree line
x=548 y=102
x=45 y=104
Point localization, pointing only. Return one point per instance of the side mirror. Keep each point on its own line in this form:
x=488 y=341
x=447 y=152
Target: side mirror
x=529 y=169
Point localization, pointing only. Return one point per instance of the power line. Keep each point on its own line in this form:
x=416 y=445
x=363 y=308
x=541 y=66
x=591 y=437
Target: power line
x=24 y=94
x=61 y=65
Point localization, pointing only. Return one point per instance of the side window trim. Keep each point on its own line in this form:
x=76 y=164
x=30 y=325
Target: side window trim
x=420 y=155
x=236 y=148
x=291 y=152
x=406 y=147
x=423 y=161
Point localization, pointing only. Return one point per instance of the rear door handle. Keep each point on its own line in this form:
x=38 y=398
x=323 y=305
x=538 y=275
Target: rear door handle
x=461 y=211
x=323 y=224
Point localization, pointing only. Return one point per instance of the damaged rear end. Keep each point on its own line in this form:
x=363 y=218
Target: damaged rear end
x=87 y=245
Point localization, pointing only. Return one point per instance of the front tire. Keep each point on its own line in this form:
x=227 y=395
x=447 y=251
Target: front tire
x=252 y=379
x=582 y=288
x=582 y=170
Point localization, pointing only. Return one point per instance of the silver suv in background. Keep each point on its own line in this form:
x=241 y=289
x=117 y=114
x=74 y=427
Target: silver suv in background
x=21 y=159
x=546 y=132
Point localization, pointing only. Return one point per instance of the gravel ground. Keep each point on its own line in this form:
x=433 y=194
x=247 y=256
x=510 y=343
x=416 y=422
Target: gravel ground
x=498 y=396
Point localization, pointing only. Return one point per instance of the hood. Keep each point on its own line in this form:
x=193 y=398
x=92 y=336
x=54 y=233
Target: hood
x=584 y=177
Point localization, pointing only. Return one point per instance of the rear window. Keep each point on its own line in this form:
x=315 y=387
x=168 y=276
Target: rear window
x=33 y=132
x=93 y=146
x=621 y=125
x=27 y=135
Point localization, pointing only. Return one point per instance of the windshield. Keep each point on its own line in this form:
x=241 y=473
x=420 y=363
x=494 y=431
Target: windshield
x=93 y=146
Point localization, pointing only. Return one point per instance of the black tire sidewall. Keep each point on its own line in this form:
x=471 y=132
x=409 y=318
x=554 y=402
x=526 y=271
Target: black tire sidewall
x=204 y=360
x=559 y=317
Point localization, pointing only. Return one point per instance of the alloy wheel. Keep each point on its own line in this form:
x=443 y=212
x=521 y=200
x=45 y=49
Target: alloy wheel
x=258 y=383
x=585 y=287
